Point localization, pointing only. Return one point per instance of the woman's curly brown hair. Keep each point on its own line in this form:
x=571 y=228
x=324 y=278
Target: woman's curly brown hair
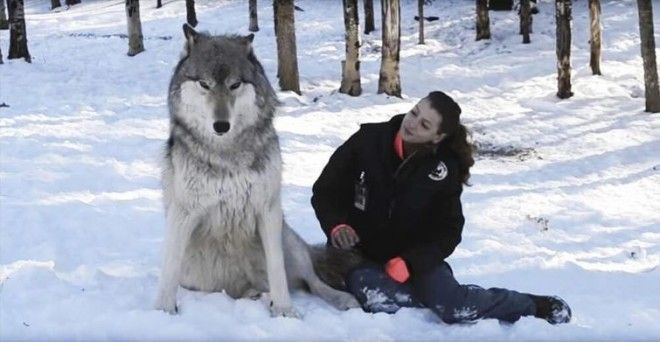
x=457 y=134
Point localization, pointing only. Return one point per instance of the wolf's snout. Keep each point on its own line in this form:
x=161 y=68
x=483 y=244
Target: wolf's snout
x=221 y=127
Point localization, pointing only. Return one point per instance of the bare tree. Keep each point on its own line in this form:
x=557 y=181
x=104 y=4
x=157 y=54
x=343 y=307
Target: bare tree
x=135 y=44
x=17 y=32
x=563 y=19
x=71 y=2
x=594 y=15
x=254 y=23
x=1 y=62
x=652 y=93
x=525 y=20
x=159 y=4
x=369 y=16
x=191 y=16
x=420 y=10
x=4 y=24
x=55 y=4
x=287 y=56
x=483 y=22
x=389 y=81
x=350 y=78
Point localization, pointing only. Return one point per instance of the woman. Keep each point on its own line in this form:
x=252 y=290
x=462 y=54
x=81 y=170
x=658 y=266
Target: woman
x=392 y=191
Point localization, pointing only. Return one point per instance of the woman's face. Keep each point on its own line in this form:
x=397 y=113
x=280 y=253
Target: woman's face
x=421 y=124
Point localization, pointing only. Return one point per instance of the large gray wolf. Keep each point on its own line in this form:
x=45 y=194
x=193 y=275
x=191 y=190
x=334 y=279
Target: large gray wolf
x=221 y=183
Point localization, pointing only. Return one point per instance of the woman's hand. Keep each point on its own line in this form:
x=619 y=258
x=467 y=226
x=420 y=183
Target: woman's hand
x=344 y=236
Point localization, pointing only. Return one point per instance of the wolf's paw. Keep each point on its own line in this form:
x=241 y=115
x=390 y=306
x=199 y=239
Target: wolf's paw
x=168 y=306
x=253 y=294
x=283 y=311
x=339 y=299
x=347 y=301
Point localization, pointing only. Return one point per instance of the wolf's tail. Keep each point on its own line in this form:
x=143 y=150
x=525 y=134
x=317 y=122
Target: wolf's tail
x=332 y=264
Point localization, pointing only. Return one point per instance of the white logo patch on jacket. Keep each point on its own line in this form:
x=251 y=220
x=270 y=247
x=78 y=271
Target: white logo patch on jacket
x=440 y=172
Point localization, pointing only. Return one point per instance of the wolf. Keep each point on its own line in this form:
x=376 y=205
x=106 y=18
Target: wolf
x=221 y=184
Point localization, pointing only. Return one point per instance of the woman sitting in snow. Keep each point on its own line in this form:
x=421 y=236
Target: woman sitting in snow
x=392 y=192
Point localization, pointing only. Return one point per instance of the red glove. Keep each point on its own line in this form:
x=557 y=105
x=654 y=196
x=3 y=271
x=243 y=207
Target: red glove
x=396 y=268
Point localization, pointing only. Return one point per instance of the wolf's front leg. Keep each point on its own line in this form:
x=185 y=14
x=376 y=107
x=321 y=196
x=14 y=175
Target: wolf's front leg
x=270 y=230
x=180 y=227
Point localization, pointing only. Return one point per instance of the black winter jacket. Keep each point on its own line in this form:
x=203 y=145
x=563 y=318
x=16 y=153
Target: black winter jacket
x=412 y=207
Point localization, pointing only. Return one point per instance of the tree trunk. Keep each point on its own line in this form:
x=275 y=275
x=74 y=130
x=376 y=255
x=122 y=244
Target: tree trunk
x=420 y=10
x=594 y=14
x=350 y=78
x=388 y=80
x=55 y=4
x=483 y=23
x=159 y=4
x=135 y=45
x=525 y=20
x=369 y=16
x=4 y=24
x=254 y=23
x=652 y=92
x=275 y=25
x=17 y=32
x=563 y=19
x=72 y=2
x=191 y=16
x=287 y=56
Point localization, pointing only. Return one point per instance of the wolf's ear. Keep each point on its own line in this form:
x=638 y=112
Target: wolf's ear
x=190 y=33
x=247 y=41
x=191 y=38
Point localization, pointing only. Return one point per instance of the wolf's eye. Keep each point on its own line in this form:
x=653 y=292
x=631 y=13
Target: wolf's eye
x=204 y=85
x=235 y=86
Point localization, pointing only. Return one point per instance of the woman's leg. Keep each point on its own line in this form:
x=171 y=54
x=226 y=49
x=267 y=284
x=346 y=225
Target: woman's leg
x=377 y=292
x=456 y=303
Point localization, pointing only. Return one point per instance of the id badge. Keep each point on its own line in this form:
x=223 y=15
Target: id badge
x=360 y=198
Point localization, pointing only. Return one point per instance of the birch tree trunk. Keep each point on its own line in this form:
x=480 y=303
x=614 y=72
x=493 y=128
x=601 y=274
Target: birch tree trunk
x=369 y=16
x=191 y=16
x=350 y=78
x=525 y=20
x=652 y=93
x=389 y=81
x=254 y=23
x=55 y=4
x=287 y=56
x=4 y=24
x=595 y=41
x=135 y=44
x=420 y=11
x=563 y=19
x=483 y=22
x=17 y=32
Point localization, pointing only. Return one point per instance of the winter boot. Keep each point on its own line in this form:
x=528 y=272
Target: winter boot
x=552 y=309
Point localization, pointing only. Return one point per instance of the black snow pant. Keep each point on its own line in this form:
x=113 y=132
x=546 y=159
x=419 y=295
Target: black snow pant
x=439 y=291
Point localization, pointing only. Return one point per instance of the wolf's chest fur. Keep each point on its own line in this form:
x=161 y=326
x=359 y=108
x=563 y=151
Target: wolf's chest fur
x=226 y=191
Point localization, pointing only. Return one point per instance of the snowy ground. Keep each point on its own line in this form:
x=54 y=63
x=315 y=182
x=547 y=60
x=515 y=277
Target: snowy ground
x=576 y=212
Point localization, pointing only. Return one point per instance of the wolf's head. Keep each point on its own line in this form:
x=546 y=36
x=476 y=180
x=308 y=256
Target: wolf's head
x=219 y=87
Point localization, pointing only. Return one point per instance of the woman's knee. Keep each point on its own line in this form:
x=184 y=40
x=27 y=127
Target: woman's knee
x=362 y=277
x=438 y=287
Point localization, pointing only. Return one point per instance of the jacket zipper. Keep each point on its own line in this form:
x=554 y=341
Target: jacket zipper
x=394 y=177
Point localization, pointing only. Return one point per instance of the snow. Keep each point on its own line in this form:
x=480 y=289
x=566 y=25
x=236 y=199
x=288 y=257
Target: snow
x=573 y=211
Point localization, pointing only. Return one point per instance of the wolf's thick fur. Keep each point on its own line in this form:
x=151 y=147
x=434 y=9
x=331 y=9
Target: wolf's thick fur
x=221 y=183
